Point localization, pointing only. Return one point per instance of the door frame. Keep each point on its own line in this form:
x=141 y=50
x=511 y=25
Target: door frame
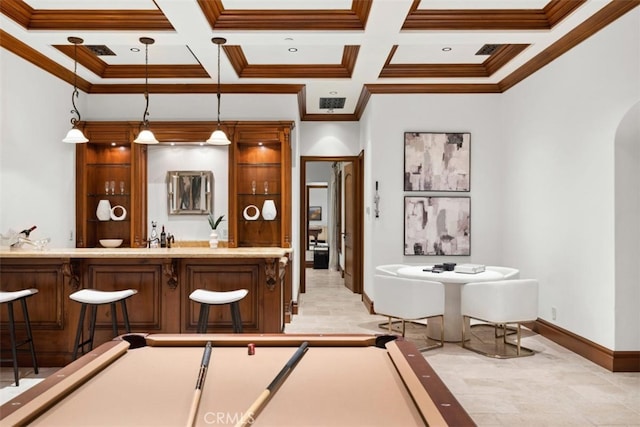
x=358 y=239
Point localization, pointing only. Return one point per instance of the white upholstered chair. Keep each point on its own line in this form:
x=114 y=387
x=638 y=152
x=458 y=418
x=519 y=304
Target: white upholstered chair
x=409 y=299
x=504 y=302
x=508 y=272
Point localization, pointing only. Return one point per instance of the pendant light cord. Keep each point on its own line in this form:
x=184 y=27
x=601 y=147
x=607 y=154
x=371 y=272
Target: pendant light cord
x=75 y=93
x=145 y=121
x=218 y=86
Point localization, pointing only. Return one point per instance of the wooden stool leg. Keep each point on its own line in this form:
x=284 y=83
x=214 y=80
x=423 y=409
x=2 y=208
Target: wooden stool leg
x=12 y=336
x=236 y=320
x=83 y=310
x=204 y=318
x=125 y=316
x=92 y=326
x=114 y=319
x=27 y=325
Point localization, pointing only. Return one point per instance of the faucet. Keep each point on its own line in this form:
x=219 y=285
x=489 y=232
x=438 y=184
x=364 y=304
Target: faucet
x=170 y=240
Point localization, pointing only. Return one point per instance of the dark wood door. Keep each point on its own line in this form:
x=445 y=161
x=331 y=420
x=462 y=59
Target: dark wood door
x=349 y=225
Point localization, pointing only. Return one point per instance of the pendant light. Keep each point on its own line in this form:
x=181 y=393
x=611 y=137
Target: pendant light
x=218 y=137
x=75 y=135
x=146 y=136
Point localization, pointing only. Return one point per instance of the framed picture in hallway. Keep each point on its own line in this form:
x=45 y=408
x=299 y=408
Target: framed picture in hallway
x=315 y=213
x=437 y=225
x=436 y=161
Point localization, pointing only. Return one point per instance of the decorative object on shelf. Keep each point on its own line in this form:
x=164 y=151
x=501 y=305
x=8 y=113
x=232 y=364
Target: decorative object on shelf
x=213 y=237
x=246 y=213
x=121 y=187
x=253 y=187
x=436 y=161
x=75 y=135
x=437 y=226
x=266 y=187
x=123 y=213
x=189 y=192
x=103 y=212
x=269 y=211
x=112 y=186
x=106 y=188
x=110 y=243
x=218 y=137
x=146 y=136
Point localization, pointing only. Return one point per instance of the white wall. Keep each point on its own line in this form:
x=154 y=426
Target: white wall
x=387 y=119
x=37 y=170
x=627 y=231
x=187 y=158
x=559 y=132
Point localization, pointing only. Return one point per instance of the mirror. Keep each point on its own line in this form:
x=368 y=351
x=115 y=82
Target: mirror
x=190 y=192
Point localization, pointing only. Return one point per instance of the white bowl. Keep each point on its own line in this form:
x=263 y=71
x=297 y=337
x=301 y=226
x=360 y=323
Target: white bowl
x=111 y=243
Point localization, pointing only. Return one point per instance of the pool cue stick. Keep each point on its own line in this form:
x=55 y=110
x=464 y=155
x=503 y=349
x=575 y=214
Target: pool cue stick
x=250 y=415
x=199 y=383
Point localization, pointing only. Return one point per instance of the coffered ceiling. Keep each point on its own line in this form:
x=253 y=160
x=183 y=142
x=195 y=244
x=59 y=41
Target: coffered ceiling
x=337 y=51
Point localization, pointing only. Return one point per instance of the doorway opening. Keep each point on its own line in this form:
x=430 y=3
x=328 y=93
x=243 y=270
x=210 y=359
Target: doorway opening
x=331 y=212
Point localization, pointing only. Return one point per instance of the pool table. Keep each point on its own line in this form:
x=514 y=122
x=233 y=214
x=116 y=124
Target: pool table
x=343 y=380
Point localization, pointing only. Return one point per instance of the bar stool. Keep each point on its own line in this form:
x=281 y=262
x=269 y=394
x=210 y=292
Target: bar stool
x=9 y=298
x=208 y=298
x=94 y=298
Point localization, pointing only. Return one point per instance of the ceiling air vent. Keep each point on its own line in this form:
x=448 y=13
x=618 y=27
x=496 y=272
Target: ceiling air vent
x=488 y=49
x=100 y=50
x=331 y=103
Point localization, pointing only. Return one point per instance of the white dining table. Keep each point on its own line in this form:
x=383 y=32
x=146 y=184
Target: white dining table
x=453 y=282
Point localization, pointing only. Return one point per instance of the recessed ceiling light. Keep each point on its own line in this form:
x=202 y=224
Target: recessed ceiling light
x=446 y=49
x=135 y=49
x=289 y=38
x=333 y=92
x=293 y=49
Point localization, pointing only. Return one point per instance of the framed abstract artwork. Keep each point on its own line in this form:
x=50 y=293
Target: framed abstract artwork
x=436 y=161
x=437 y=225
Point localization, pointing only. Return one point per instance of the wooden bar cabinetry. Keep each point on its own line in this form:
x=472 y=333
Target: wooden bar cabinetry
x=110 y=167
x=260 y=173
x=163 y=279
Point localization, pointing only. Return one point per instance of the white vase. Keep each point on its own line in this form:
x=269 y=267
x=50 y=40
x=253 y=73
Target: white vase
x=269 y=210
x=104 y=210
x=213 y=239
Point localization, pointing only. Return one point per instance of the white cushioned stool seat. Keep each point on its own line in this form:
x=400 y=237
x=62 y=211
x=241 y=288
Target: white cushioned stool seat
x=9 y=297
x=216 y=297
x=94 y=298
x=208 y=298
x=16 y=295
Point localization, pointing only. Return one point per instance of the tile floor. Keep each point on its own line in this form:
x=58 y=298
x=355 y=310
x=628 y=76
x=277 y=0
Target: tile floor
x=555 y=387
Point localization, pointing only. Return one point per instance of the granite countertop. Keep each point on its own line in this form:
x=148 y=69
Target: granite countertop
x=179 y=252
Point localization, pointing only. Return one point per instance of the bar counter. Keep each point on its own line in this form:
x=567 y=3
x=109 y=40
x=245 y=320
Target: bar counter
x=163 y=278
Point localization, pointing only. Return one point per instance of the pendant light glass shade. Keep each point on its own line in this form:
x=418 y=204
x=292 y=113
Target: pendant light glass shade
x=75 y=135
x=146 y=136
x=218 y=137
